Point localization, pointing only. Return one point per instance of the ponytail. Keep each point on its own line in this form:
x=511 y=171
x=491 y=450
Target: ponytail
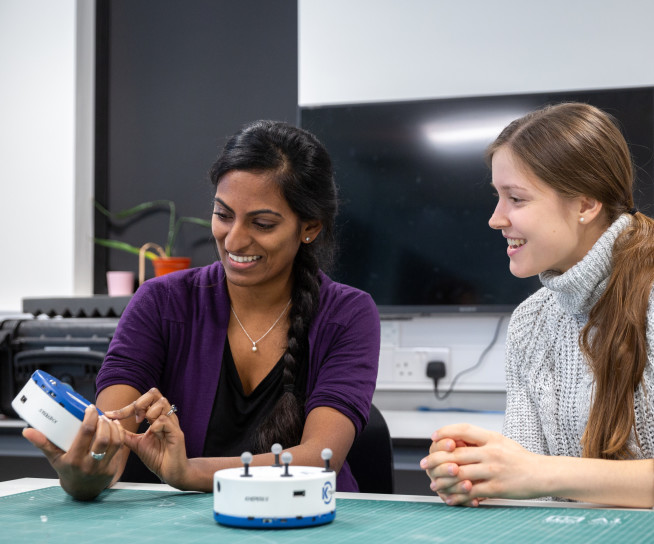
x=614 y=341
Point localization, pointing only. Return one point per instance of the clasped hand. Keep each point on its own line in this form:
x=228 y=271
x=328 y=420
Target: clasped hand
x=467 y=464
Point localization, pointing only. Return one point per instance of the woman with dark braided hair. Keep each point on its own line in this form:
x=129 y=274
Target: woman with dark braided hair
x=256 y=349
x=579 y=418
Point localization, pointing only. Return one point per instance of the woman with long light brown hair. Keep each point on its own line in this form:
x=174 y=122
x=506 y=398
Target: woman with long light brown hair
x=580 y=352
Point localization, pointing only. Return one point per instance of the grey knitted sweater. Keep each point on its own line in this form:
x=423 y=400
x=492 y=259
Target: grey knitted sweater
x=549 y=384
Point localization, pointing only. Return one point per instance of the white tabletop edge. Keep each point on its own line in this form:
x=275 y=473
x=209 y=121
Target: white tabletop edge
x=22 y=485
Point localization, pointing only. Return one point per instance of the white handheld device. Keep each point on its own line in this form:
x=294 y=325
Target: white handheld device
x=52 y=407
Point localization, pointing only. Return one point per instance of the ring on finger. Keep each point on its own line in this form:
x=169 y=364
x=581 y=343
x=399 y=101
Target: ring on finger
x=173 y=409
x=98 y=456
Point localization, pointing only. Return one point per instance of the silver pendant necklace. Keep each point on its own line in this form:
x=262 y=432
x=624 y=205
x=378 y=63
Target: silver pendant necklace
x=255 y=342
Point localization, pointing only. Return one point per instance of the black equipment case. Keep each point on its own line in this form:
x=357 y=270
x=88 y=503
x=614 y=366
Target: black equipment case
x=71 y=349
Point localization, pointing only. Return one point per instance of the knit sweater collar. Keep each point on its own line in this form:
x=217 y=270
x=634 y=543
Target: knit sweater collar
x=579 y=288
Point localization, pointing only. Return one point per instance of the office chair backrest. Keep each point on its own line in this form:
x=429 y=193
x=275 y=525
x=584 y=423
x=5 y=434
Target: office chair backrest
x=371 y=456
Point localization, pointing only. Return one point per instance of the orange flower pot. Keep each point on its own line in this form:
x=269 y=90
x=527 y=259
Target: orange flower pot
x=170 y=264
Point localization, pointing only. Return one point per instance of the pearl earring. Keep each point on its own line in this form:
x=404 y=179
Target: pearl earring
x=581 y=219
x=307 y=239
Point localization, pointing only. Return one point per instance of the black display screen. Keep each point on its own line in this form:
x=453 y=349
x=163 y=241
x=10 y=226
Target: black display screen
x=416 y=197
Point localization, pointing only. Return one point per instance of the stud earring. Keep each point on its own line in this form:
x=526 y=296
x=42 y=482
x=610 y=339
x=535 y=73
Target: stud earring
x=581 y=219
x=307 y=239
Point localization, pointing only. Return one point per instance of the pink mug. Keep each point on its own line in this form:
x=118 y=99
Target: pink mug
x=120 y=283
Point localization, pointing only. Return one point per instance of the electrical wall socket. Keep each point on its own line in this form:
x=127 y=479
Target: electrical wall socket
x=410 y=364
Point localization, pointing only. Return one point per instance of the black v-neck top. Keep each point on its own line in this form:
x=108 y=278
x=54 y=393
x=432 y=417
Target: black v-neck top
x=236 y=416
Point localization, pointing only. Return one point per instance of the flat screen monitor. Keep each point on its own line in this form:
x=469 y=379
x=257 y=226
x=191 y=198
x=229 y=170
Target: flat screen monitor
x=416 y=197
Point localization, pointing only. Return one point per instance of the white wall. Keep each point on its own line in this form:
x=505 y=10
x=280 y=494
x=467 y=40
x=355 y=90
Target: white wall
x=39 y=220
x=377 y=50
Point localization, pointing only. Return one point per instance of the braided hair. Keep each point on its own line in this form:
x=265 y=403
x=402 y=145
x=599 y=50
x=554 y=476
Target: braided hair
x=302 y=168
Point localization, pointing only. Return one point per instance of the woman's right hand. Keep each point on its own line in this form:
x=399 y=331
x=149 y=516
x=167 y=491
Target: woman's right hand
x=82 y=475
x=161 y=447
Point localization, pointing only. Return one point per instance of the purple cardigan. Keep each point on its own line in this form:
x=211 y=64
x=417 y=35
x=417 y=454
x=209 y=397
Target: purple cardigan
x=172 y=333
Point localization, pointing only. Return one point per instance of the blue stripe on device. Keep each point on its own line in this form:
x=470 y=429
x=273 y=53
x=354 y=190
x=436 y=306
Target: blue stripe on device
x=274 y=523
x=62 y=393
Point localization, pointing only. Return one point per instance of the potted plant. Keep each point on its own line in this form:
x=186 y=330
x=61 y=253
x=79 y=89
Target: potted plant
x=162 y=257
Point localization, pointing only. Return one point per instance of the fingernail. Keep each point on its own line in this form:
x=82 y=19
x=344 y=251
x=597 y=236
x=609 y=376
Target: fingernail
x=450 y=470
x=434 y=436
x=423 y=463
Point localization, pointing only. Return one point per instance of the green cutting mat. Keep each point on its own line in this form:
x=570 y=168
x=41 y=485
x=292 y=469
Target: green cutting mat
x=49 y=515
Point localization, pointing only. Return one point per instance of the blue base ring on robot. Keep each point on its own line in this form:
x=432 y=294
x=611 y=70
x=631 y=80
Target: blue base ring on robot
x=274 y=523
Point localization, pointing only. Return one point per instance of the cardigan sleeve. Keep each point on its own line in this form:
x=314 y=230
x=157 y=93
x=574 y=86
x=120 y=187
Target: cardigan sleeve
x=345 y=357
x=137 y=351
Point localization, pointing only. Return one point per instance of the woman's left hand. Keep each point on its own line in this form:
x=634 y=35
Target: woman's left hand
x=467 y=463
x=161 y=447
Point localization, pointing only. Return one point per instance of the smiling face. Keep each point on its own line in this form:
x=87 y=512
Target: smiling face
x=257 y=233
x=543 y=230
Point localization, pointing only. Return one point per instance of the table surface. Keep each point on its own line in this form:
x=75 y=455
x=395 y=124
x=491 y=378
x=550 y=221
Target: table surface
x=37 y=510
x=418 y=424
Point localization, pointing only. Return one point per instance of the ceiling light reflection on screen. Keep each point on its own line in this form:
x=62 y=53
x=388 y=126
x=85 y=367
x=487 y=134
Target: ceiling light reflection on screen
x=466 y=131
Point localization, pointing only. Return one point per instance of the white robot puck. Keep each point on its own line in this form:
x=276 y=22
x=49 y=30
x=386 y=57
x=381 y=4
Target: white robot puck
x=275 y=497
x=51 y=407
